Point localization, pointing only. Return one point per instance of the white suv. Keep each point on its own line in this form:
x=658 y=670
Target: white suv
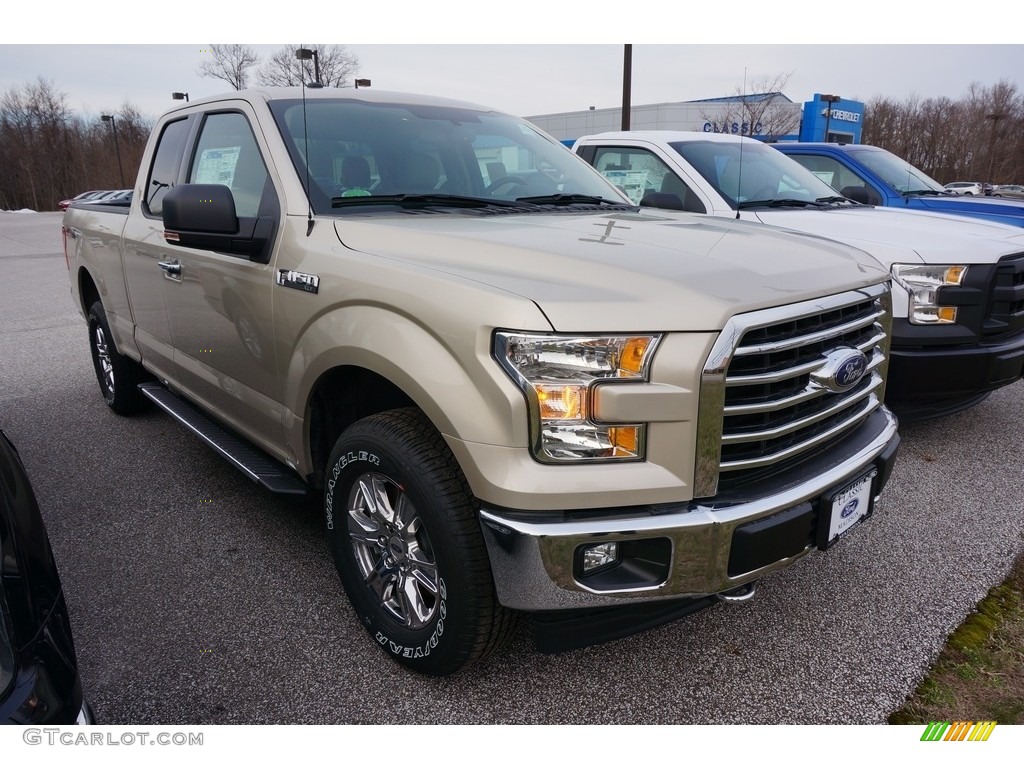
x=965 y=188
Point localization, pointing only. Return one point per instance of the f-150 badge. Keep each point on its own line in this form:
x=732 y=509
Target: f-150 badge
x=289 y=278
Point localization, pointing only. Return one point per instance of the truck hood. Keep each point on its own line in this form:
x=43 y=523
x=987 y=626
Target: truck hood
x=905 y=236
x=1004 y=211
x=622 y=271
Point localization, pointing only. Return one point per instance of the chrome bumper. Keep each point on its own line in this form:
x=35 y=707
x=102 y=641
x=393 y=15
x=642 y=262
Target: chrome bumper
x=533 y=558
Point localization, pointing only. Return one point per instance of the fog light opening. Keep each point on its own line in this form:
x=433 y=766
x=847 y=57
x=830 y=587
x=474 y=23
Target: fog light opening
x=600 y=556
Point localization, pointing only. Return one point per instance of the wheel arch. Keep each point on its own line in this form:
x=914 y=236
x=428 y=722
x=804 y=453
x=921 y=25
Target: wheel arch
x=340 y=397
x=463 y=393
x=88 y=291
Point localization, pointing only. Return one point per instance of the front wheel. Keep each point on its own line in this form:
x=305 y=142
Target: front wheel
x=406 y=541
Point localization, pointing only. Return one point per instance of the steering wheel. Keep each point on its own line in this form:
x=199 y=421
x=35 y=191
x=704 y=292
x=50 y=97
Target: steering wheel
x=767 y=192
x=502 y=181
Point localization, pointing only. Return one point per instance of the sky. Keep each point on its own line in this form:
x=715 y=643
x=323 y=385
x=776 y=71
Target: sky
x=527 y=58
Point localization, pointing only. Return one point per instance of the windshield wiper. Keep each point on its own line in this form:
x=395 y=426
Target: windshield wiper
x=837 y=199
x=786 y=202
x=927 y=193
x=570 y=199
x=419 y=201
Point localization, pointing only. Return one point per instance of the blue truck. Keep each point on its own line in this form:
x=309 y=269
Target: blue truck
x=875 y=176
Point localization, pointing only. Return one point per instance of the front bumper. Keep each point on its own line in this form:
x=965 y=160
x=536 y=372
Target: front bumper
x=690 y=549
x=932 y=380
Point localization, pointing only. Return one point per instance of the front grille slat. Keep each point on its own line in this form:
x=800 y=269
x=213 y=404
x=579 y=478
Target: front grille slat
x=805 y=394
x=859 y=393
x=803 y=341
x=819 y=439
x=788 y=373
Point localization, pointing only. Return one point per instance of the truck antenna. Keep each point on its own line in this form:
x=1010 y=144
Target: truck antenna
x=739 y=174
x=305 y=150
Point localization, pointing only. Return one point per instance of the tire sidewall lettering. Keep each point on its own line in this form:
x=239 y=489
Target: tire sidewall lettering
x=350 y=457
x=419 y=651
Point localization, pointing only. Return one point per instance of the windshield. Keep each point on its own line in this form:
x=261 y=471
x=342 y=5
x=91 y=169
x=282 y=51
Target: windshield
x=437 y=154
x=896 y=172
x=766 y=175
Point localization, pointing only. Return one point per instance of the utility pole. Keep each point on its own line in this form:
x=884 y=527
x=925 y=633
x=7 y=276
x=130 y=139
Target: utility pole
x=829 y=100
x=627 y=79
x=995 y=117
x=117 y=149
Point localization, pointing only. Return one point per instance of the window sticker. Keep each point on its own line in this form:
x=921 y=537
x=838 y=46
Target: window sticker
x=825 y=176
x=634 y=183
x=217 y=166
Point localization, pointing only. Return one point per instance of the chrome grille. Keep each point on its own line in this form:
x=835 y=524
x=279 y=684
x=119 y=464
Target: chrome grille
x=760 y=410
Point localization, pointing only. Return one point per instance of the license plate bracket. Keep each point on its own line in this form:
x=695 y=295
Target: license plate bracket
x=842 y=509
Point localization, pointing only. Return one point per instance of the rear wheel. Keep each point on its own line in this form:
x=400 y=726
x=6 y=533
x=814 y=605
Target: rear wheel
x=406 y=541
x=118 y=376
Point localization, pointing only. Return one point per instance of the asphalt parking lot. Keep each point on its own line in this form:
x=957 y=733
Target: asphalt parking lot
x=197 y=597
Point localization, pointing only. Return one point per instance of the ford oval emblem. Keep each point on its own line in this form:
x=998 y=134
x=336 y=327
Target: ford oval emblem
x=849 y=509
x=842 y=370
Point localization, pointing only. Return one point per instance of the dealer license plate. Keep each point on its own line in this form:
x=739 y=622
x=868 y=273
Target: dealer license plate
x=849 y=506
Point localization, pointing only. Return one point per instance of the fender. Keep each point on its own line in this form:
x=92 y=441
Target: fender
x=477 y=404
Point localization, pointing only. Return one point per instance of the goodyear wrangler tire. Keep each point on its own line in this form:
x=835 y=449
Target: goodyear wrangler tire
x=118 y=376
x=406 y=541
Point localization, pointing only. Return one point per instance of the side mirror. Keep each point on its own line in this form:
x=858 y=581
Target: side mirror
x=861 y=194
x=200 y=208
x=203 y=216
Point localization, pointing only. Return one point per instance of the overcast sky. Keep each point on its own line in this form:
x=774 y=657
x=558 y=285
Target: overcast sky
x=527 y=57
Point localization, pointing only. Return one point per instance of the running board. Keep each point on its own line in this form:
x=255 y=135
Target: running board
x=254 y=463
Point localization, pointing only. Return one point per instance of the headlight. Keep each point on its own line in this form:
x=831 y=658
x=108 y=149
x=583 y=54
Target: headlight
x=922 y=282
x=558 y=375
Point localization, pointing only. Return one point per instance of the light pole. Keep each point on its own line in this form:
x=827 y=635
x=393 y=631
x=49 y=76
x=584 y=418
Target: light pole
x=117 y=148
x=305 y=54
x=829 y=100
x=178 y=96
x=995 y=117
x=627 y=84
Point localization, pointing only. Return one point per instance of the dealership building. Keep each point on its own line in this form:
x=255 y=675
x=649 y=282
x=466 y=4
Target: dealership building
x=776 y=118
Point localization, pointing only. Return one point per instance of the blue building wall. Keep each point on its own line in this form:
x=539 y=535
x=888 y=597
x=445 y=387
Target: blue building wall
x=843 y=119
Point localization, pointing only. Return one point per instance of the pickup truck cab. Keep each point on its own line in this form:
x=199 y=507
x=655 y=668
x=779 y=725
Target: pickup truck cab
x=511 y=388
x=958 y=283
x=875 y=176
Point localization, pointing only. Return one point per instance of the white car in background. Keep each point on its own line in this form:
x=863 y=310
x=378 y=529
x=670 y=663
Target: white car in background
x=965 y=188
x=958 y=282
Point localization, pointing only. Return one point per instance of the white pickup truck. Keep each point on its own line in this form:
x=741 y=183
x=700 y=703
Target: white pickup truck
x=512 y=389
x=958 y=283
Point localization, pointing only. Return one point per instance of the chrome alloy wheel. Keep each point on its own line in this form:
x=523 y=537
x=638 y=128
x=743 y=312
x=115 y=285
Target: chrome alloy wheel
x=392 y=550
x=103 y=355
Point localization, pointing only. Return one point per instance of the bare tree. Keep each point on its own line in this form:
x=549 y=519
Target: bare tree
x=760 y=109
x=34 y=131
x=335 y=62
x=969 y=139
x=230 y=63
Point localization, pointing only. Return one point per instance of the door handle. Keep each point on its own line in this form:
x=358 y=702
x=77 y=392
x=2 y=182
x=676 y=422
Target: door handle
x=172 y=268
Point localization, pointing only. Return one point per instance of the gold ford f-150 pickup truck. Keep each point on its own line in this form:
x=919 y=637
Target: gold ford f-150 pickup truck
x=512 y=389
